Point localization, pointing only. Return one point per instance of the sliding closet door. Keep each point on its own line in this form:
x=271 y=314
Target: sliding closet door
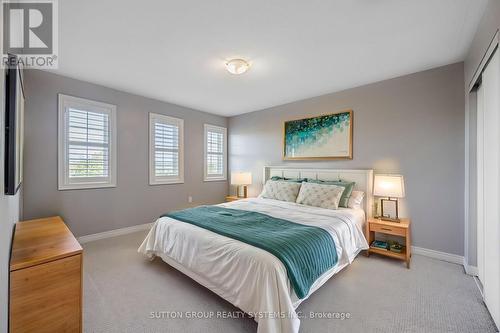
x=490 y=164
x=480 y=182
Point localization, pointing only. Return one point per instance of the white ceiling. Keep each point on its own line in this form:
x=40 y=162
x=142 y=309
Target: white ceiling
x=175 y=50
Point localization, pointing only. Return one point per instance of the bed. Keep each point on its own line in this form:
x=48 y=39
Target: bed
x=253 y=279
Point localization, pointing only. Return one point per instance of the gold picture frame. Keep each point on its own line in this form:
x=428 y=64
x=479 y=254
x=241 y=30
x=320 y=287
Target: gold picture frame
x=331 y=137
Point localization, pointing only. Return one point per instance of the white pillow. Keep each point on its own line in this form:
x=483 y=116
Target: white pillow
x=318 y=195
x=281 y=190
x=356 y=199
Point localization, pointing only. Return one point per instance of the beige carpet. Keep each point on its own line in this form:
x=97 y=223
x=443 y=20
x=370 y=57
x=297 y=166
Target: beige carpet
x=122 y=291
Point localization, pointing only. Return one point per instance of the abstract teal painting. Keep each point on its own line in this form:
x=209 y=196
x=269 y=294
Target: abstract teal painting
x=323 y=137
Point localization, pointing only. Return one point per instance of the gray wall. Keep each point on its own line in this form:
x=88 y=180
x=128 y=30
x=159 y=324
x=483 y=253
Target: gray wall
x=413 y=125
x=9 y=214
x=484 y=34
x=133 y=201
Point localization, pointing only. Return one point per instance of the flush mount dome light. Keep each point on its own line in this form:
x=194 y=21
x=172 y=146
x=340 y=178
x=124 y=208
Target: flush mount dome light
x=237 y=66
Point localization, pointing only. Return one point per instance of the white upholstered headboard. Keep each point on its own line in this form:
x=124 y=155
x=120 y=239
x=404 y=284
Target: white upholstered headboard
x=362 y=178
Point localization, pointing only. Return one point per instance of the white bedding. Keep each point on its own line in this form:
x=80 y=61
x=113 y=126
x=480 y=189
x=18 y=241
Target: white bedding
x=250 y=278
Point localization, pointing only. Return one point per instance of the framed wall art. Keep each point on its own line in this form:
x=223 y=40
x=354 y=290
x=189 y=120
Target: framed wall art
x=326 y=136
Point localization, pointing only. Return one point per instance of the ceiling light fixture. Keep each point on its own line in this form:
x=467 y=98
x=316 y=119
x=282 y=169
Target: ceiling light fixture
x=237 y=66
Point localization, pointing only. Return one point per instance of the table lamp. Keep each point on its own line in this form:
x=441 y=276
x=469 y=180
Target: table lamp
x=241 y=180
x=392 y=187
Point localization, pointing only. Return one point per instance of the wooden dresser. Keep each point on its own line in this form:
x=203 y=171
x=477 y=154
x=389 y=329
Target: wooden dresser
x=45 y=278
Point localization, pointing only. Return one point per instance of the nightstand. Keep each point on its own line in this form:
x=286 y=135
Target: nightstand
x=401 y=229
x=230 y=198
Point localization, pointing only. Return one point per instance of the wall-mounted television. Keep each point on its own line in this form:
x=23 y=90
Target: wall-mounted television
x=14 y=126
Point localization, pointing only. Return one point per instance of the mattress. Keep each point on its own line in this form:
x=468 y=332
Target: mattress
x=248 y=277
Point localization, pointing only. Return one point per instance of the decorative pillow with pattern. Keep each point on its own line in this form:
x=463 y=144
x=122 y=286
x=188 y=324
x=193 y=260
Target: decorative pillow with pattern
x=348 y=187
x=356 y=199
x=281 y=190
x=318 y=195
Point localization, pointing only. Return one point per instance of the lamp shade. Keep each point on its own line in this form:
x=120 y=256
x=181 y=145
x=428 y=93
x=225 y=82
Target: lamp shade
x=241 y=178
x=392 y=186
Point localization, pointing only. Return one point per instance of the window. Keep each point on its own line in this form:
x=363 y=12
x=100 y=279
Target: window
x=166 y=150
x=215 y=153
x=87 y=143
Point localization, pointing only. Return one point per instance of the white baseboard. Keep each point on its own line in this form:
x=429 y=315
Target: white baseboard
x=453 y=258
x=471 y=270
x=114 y=233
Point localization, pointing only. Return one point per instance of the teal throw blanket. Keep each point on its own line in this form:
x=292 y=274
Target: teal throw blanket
x=306 y=251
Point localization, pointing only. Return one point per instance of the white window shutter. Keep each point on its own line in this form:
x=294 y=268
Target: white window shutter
x=87 y=143
x=215 y=153
x=166 y=150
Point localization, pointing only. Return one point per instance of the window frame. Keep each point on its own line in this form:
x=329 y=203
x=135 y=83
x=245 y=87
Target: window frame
x=165 y=180
x=64 y=181
x=223 y=130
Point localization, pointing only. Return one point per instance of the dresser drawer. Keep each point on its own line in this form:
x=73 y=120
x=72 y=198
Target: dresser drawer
x=47 y=297
x=45 y=278
x=388 y=229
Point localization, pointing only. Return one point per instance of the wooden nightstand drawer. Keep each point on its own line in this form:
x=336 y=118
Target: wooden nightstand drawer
x=388 y=229
x=402 y=229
